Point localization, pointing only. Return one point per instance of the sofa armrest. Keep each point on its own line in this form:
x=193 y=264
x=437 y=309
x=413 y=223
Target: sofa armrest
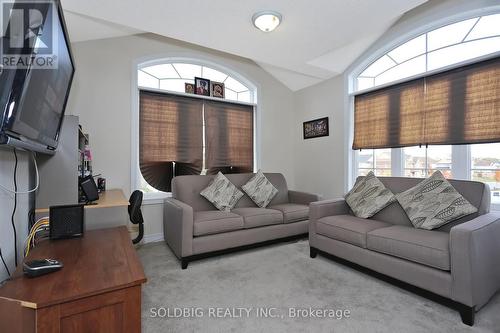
x=302 y=198
x=475 y=259
x=178 y=227
x=330 y=207
x=324 y=208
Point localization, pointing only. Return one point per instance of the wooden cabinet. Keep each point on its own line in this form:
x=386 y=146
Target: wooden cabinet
x=98 y=290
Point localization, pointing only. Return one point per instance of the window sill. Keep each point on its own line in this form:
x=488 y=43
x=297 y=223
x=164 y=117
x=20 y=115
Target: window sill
x=155 y=198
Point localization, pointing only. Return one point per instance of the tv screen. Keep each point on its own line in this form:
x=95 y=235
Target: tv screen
x=37 y=76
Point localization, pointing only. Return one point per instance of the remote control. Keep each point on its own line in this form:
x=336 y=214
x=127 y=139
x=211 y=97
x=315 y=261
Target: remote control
x=39 y=267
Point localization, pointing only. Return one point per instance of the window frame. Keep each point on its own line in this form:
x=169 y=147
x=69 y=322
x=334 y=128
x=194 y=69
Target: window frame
x=254 y=89
x=461 y=154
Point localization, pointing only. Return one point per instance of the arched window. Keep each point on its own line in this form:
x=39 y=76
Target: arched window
x=173 y=76
x=202 y=129
x=435 y=49
x=432 y=51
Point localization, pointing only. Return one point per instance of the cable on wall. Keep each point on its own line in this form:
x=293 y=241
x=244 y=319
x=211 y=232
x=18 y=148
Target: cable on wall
x=15 y=206
x=3 y=260
x=15 y=191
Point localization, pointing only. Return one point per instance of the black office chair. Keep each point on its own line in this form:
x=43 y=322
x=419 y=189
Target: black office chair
x=134 y=211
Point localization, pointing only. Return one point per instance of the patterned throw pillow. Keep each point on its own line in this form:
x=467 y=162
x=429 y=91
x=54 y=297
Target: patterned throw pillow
x=434 y=202
x=260 y=190
x=369 y=196
x=222 y=193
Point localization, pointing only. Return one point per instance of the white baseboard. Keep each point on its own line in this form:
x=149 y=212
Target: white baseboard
x=152 y=238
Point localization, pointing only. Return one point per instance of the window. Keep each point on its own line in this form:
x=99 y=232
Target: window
x=485 y=167
x=190 y=134
x=182 y=135
x=421 y=162
x=435 y=49
x=451 y=44
x=173 y=76
x=376 y=160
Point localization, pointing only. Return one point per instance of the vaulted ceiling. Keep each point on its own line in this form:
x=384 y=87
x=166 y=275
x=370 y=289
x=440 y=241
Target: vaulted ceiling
x=316 y=40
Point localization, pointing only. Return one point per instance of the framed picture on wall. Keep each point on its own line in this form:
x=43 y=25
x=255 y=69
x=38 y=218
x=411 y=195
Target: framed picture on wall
x=202 y=86
x=189 y=88
x=217 y=89
x=316 y=128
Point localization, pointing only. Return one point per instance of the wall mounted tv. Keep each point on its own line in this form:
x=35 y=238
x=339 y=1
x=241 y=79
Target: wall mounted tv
x=37 y=71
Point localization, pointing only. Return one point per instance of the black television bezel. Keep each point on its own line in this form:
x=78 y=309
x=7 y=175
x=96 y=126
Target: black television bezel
x=9 y=137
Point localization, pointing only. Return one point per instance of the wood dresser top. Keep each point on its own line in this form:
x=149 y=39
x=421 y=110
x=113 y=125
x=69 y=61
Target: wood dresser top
x=103 y=260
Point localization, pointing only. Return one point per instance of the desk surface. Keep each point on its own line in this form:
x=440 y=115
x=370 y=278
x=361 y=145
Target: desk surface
x=108 y=198
x=101 y=261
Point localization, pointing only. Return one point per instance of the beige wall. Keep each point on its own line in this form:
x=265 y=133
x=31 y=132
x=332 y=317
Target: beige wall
x=320 y=162
x=102 y=97
x=7 y=205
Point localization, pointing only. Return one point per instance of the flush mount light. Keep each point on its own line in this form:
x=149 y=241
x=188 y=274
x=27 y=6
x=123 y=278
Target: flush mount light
x=267 y=20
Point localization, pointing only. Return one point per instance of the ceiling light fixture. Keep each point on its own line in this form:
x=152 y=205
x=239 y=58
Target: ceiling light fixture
x=267 y=20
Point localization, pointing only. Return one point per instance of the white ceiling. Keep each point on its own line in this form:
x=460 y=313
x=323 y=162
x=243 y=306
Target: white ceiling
x=83 y=27
x=316 y=40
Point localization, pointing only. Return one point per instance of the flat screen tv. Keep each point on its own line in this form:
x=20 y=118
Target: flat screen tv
x=37 y=71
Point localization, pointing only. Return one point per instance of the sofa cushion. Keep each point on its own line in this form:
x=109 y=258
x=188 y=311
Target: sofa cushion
x=222 y=193
x=368 y=196
x=260 y=190
x=293 y=212
x=214 y=222
x=426 y=247
x=259 y=217
x=434 y=202
x=348 y=228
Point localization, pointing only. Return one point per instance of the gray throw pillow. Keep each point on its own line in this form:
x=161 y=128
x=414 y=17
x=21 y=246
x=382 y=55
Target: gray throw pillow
x=369 y=196
x=434 y=202
x=222 y=193
x=260 y=190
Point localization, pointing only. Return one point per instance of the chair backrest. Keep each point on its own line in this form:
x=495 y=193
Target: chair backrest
x=134 y=208
x=187 y=189
x=477 y=193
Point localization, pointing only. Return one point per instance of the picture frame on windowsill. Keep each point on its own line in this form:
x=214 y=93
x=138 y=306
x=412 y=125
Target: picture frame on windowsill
x=202 y=86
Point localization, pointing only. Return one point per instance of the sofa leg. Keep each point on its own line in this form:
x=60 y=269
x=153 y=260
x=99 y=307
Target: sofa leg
x=313 y=252
x=467 y=313
x=184 y=263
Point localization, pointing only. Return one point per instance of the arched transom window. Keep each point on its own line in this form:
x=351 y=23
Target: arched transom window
x=173 y=76
x=435 y=49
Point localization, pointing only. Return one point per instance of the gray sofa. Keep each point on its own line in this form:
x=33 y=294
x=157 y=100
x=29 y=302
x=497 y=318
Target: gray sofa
x=459 y=263
x=194 y=228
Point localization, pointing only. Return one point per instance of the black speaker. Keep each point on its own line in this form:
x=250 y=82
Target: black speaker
x=89 y=188
x=66 y=221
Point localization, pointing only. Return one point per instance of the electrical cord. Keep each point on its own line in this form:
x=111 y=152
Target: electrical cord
x=3 y=260
x=15 y=206
x=41 y=224
x=15 y=191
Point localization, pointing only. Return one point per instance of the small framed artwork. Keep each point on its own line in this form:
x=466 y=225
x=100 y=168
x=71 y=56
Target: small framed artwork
x=217 y=89
x=189 y=88
x=316 y=128
x=202 y=86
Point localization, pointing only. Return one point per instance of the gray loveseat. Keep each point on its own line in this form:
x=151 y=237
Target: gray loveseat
x=459 y=263
x=194 y=228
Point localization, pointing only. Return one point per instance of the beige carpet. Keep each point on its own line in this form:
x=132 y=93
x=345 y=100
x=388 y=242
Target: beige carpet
x=280 y=279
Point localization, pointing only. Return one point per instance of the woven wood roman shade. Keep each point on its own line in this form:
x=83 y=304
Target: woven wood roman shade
x=458 y=106
x=228 y=137
x=170 y=137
